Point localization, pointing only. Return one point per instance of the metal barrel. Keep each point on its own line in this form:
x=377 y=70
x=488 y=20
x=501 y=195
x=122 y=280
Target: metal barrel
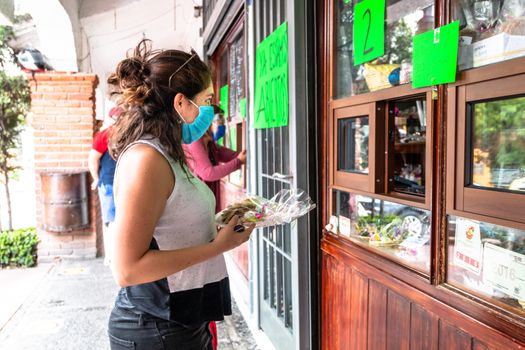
x=65 y=201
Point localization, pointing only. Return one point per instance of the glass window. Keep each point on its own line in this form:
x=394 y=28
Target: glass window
x=408 y=141
x=404 y=19
x=497 y=148
x=398 y=231
x=352 y=145
x=236 y=86
x=488 y=260
x=490 y=31
x=235 y=144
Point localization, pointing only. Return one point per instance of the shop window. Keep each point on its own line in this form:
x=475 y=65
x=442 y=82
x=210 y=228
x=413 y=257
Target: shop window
x=234 y=142
x=230 y=92
x=497 y=145
x=236 y=104
x=488 y=156
x=404 y=19
x=490 y=31
x=487 y=260
x=397 y=231
x=353 y=147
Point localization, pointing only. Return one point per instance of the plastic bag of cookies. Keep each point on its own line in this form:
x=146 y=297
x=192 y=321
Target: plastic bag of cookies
x=285 y=207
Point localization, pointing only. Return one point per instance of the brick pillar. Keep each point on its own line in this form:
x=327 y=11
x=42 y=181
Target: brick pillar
x=63 y=120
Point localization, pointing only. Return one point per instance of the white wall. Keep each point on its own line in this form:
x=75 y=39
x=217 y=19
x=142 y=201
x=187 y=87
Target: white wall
x=54 y=34
x=110 y=29
x=92 y=36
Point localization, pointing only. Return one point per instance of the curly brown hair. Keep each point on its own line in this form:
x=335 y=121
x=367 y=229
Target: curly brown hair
x=147 y=85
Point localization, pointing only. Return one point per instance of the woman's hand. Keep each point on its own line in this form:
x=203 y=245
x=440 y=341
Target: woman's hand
x=228 y=238
x=242 y=156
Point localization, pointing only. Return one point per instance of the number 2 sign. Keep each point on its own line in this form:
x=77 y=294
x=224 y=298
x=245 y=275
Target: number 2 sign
x=369 y=30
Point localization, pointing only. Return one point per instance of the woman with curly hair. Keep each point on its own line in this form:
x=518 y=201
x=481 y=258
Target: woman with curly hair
x=168 y=254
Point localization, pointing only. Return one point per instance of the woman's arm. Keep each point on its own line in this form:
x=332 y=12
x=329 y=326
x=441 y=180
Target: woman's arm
x=143 y=183
x=201 y=165
x=225 y=154
x=93 y=165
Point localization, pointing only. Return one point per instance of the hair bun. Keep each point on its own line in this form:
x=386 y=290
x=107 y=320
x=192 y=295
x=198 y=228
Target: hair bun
x=132 y=75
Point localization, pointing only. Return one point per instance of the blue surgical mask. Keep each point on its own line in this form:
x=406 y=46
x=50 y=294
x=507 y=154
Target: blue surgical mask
x=191 y=132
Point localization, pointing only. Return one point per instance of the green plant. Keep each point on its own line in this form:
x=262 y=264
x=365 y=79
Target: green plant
x=14 y=105
x=18 y=247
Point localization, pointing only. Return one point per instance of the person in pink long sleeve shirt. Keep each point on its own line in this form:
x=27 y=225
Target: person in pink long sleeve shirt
x=211 y=162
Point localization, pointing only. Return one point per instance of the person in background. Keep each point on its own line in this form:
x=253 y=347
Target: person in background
x=218 y=126
x=169 y=258
x=102 y=170
x=211 y=162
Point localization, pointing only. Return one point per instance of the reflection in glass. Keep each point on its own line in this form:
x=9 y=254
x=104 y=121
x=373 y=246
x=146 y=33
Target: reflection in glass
x=352 y=144
x=399 y=231
x=498 y=144
x=404 y=19
x=488 y=260
x=490 y=31
x=408 y=140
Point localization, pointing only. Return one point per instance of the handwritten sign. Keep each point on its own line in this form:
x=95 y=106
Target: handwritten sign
x=271 y=80
x=369 y=30
x=467 y=245
x=435 y=56
x=504 y=270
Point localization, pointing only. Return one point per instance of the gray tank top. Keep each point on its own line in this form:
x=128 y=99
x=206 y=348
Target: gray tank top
x=188 y=220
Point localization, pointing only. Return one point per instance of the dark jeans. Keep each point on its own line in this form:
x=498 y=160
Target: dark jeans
x=128 y=330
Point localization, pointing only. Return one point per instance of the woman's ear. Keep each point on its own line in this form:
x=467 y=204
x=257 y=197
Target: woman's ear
x=178 y=103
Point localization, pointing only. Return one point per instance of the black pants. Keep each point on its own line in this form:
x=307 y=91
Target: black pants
x=128 y=330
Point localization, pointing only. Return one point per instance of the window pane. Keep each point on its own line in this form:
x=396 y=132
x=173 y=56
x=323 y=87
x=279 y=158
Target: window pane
x=397 y=231
x=236 y=87
x=498 y=145
x=409 y=145
x=352 y=145
x=404 y=19
x=490 y=31
x=488 y=260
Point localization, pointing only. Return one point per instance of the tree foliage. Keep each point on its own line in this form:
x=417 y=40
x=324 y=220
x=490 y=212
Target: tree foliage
x=14 y=105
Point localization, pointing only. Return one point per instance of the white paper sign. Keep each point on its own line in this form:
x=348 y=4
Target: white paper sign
x=467 y=245
x=504 y=270
x=333 y=224
x=344 y=226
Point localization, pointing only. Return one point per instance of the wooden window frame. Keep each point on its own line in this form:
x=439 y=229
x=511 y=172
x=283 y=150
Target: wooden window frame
x=422 y=202
x=443 y=148
x=493 y=206
x=351 y=180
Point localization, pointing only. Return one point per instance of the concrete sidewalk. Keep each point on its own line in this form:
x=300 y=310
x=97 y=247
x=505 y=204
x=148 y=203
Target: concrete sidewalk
x=66 y=306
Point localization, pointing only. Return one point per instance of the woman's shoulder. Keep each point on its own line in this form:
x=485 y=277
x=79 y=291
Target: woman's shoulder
x=144 y=165
x=141 y=154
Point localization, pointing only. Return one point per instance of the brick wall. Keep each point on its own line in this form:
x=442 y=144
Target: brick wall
x=63 y=121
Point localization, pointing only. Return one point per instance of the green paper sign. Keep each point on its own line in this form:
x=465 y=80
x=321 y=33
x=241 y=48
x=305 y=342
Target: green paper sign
x=220 y=141
x=369 y=30
x=223 y=95
x=435 y=56
x=271 y=80
x=233 y=137
x=242 y=107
